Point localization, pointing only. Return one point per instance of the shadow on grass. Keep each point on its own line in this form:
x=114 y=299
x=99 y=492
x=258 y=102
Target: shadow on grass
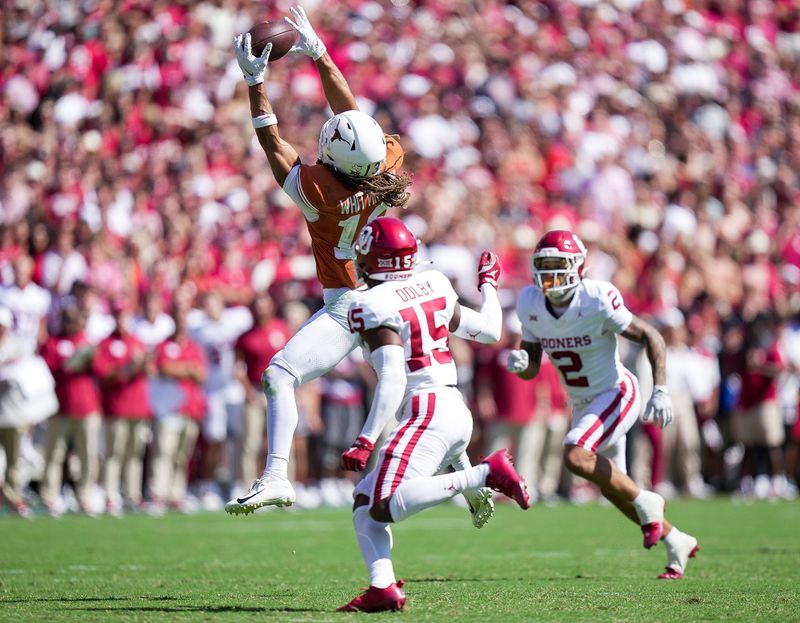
x=78 y=599
x=435 y=580
x=208 y=609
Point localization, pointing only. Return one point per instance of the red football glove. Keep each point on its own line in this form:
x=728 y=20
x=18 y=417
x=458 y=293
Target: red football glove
x=355 y=459
x=488 y=269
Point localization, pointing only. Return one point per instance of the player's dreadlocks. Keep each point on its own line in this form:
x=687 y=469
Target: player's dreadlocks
x=390 y=189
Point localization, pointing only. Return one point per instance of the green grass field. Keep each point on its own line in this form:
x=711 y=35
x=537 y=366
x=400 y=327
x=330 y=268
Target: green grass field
x=566 y=563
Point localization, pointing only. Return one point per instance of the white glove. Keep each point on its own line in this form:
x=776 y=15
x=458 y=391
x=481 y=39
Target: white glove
x=253 y=67
x=518 y=361
x=310 y=44
x=659 y=407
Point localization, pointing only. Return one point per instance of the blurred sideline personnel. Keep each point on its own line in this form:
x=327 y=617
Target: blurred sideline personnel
x=404 y=319
x=120 y=364
x=254 y=350
x=179 y=402
x=27 y=396
x=354 y=181
x=576 y=321
x=78 y=422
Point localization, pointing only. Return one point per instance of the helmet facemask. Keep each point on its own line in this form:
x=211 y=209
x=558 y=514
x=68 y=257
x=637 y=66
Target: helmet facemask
x=557 y=274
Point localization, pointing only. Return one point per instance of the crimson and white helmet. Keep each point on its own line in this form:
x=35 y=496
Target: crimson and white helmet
x=385 y=250
x=557 y=263
x=353 y=143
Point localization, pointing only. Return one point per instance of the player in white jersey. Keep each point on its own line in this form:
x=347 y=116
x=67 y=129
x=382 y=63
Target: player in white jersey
x=576 y=322
x=404 y=319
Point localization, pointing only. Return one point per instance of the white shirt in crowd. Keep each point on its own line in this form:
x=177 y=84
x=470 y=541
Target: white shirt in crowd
x=28 y=305
x=151 y=334
x=218 y=338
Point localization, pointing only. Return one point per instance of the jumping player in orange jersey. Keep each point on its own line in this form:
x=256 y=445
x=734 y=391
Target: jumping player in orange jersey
x=355 y=179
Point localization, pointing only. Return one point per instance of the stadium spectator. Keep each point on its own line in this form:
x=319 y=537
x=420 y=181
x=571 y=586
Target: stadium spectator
x=254 y=349
x=29 y=303
x=342 y=413
x=757 y=421
x=154 y=325
x=12 y=350
x=179 y=405
x=69 y=355
x=216 y=329
x=680 y=442
x=121 y=364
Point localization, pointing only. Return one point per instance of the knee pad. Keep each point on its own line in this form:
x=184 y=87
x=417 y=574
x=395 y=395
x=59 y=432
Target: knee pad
x=275 y=378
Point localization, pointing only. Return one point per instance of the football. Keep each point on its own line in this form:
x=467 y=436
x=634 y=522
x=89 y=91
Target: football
x=280 y=34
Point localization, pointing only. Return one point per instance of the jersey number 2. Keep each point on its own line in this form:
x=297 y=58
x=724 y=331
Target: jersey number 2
x=572 y=364
x=441 y=354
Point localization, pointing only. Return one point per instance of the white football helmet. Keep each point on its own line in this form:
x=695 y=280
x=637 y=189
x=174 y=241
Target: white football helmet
x=353 y=143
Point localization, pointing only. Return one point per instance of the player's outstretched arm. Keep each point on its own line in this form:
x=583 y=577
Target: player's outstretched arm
x=659 y=407
x=280 y=154
x=337 y=91
x=485 y=326
x=646 y=334
x=388 y=358
x=526 y=361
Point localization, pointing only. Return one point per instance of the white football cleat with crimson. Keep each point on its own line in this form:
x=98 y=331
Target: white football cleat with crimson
x=268 y=490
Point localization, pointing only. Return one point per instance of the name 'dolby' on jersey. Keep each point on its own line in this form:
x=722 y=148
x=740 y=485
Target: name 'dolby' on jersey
x=419 y=309
x=582 y=343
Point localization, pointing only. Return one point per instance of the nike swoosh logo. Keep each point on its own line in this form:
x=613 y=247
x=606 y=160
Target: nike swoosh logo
x=244 y=499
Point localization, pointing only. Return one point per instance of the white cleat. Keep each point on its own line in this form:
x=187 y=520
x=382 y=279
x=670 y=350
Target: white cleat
x=678 y=555
x=481 y=505
x=265 y=491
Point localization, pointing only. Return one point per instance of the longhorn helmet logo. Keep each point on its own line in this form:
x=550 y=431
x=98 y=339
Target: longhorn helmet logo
x=337 y=136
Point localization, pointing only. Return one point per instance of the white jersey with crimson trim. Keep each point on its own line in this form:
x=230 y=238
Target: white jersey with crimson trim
x=419 y=309
x=582 y=342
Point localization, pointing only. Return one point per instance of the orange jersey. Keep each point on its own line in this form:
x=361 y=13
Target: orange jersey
x=335 y=215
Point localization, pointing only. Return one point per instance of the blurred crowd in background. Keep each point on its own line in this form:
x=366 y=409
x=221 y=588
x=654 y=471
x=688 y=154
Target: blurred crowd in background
x=149 y=258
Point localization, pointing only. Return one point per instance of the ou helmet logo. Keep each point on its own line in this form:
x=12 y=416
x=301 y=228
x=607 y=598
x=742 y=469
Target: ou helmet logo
x=365 y=239
x=567 y=243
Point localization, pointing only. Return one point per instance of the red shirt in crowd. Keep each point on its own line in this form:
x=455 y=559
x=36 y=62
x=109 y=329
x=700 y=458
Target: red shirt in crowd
x=186 y=351
x=123 y=396
x=259 y=345
x=77 y=392
x=758 y=387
